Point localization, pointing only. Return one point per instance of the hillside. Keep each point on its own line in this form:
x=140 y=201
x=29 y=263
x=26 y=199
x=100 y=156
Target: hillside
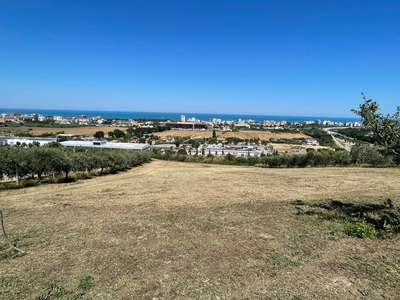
x=169 y=230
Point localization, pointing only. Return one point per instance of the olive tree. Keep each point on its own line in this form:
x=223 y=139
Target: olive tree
x=385 y=128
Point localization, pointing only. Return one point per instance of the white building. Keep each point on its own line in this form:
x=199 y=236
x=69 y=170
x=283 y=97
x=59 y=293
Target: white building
x=15 y=141
x=103 y=144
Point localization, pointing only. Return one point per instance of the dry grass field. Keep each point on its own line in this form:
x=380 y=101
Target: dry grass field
x=86 y=130
x=294 y=148
x=169 y=230
x=183 y=133
x=90 y=130
x=242 y=134
x=263 y=135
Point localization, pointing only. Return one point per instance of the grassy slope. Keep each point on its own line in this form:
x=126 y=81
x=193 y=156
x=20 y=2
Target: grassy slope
x=170 y=230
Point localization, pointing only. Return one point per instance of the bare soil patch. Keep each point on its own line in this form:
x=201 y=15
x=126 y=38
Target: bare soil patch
x=169 y=230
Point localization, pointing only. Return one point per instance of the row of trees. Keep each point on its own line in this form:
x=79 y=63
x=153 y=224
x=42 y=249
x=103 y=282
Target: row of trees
x=39 y=162
x=360 y=154
x=131 y=132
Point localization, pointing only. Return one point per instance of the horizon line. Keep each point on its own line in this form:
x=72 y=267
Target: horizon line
x=162 y=112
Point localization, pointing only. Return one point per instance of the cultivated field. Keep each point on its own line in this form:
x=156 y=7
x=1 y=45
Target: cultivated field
x=169 y=230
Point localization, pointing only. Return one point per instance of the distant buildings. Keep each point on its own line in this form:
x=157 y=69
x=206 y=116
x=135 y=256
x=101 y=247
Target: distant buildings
x=183 y=123
x=24 y=141
x=311 y=142
x=189 y=125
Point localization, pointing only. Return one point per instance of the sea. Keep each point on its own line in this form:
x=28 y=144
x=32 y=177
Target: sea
x=173 y=116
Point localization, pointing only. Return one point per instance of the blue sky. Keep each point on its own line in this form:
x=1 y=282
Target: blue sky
x=309 y=58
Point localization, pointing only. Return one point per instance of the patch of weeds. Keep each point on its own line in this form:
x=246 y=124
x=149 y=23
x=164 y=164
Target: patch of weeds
x=279 y=258
x=359 y=229
x=85 y=282
x=52 y=291
x=361 y=220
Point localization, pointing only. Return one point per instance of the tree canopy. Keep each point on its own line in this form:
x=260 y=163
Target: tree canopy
x=385 y=128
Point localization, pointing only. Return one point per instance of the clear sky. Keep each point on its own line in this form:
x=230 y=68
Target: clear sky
x=271 y=57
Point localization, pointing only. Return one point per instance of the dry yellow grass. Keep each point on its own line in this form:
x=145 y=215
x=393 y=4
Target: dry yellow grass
x=294 y=148
x=87 y=130
x=169 y=230
x=242 y=134
x=263 y=135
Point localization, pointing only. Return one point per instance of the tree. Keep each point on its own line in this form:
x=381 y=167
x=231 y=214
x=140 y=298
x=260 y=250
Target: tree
x=181 y=151
x=99 y=135
x=385 y=128
x=119 y=133
x=54 y=145
x=130 y=130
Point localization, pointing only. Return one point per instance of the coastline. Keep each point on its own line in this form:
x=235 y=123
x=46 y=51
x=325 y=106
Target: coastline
x=171 y=115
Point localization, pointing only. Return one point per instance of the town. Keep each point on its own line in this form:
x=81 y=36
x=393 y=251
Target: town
x=190 y=135
x=183 y=123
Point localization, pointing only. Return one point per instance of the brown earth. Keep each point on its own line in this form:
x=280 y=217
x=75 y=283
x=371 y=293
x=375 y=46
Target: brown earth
x=169 y=230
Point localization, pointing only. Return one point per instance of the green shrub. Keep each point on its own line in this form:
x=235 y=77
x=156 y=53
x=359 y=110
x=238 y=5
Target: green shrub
x=359 y=229
x=85 y=282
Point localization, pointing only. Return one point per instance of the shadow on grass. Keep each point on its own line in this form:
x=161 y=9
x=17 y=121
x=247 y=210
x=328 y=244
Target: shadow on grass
x=385 y=218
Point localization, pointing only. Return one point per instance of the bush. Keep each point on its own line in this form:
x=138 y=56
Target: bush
x=85 y=282
x=359 y=229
